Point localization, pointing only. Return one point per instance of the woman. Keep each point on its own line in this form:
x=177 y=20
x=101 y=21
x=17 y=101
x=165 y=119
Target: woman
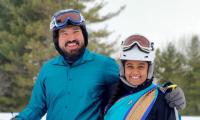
x=136 y=97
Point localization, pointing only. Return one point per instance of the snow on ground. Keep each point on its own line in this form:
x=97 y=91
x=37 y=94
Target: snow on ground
x=8 y=116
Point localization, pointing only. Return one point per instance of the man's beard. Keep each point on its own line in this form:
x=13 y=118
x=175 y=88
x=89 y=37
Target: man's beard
x=73 y=55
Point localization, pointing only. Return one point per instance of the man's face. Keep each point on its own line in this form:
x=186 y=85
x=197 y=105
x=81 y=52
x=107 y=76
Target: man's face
x=71 y=40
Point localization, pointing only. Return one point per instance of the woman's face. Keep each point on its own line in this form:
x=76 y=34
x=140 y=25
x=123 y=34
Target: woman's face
x=136 y=71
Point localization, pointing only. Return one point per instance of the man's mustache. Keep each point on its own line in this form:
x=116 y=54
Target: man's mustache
x=72 y=41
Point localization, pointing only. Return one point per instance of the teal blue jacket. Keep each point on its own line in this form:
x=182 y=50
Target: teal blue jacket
x=73 y=92
x=120 y=110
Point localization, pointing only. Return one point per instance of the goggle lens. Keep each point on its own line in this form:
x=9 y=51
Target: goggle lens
x=138 y=40
x=59 y=20
x=73 y=16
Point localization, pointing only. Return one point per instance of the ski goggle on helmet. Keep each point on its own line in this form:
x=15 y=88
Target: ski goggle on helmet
x=65 y=17
x=138 y=40
x=137 y=47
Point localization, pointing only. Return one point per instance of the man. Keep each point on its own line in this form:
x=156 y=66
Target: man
x=74 y=85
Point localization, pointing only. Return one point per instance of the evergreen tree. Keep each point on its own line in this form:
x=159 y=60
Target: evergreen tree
x=26 y=43
x=191 y=83
x=169 y=64
x=182 y=68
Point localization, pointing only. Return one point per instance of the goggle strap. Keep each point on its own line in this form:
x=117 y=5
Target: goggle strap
x=52 y=24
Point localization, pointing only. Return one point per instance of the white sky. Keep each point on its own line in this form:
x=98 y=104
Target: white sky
x=159 y=20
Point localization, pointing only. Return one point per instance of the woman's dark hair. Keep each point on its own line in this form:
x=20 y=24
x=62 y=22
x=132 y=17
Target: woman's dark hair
x=117 y=92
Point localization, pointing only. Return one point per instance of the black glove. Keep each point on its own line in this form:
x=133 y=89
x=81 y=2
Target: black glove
x=174 y=96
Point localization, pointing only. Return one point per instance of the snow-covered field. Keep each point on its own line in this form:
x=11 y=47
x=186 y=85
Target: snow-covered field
x=8 y=116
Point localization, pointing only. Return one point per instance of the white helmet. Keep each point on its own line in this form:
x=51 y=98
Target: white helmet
x=137 y=47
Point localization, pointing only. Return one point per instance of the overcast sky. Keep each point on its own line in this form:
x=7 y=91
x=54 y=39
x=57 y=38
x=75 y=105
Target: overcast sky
x=159 y=20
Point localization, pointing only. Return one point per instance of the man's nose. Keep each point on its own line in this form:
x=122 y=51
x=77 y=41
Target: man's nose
x=71 y=36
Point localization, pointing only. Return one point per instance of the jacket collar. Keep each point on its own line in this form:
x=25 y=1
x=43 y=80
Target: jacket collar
x=87 y=56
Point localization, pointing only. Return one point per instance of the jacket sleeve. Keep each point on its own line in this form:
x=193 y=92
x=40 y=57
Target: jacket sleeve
x=37 y=104
x=111 y=72
x=110 y=77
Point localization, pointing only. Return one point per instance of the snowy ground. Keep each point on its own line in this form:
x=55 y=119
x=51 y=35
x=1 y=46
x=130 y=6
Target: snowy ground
x=8 y=116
